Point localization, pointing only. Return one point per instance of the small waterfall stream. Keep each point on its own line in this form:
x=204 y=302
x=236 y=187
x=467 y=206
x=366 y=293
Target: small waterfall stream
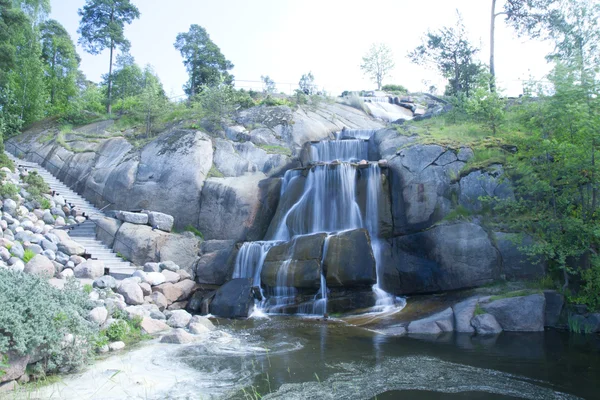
x=328 y=203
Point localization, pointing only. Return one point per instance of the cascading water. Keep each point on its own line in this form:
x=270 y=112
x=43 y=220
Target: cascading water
x=328 y=203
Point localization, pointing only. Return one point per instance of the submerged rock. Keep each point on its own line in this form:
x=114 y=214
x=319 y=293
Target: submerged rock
x=486 y=324
x=234 y=299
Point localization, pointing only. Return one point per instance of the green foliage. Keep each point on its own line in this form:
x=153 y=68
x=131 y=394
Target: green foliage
x=449 y=49
x=35 y=317
x=516 y=293
x=378 y=63
x=589 y=294
x=45 y=204
x=459 y=213
x=36 y=185
x=486 y=106
x=396 y=89
x=195 y=231
x=28 y=255
x=117 y=331
x=8 y=191
x=268 y=84
x=272 y=149
x=61 y=62
x=478 y=310
x=206 y=65
x=122 y=330
x=214 y=173
x=270 y=101
x=307 y=84
x=87 y=288
x=6 y=162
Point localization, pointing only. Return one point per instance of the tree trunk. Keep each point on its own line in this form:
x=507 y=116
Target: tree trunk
x=492 y=44
x=110 y=67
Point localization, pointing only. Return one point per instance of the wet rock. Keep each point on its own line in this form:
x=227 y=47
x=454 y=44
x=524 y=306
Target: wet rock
x=179 y=319
x=234 y=299
x=486 y=324
x=301 y=257
x=178 y=336
x=213 y=266
x=152 y=326
x=463 y=314
x=349 y=261
x=523 y=313
x=481 y=184
x=433 y=325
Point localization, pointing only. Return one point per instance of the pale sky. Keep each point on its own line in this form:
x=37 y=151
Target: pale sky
x=286 y=38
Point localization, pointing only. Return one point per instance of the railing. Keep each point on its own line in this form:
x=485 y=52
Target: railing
x=18 y=151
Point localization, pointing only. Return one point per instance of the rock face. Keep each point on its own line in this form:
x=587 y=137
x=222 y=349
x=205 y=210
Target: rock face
x=486 y=324
x=446 y=257
x=213 y=267
x=516 y=264
x=234 y=299
x=349 y=261
x=141 y=244
x=524 y=313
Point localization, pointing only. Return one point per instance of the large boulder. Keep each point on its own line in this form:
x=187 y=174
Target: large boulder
x=349 y=261
x=213 y=267
x=516 y=264
x=446 y=257
x=181 y=249
x=161 y=221
x=89 y=269
x=433 y=325
x=486 y=324
x=237 y=208
x=463 y=314
x=131 y=291
x=40 y=265
x=68 y=245
x=234 y=299
x=520 y=313
x=132 y=218
x=298 y=261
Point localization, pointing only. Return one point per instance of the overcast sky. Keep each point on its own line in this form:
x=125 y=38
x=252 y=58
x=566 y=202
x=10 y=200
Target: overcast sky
x=286 y=38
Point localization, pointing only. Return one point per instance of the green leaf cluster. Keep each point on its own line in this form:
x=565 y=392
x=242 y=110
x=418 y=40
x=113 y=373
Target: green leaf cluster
x=36 y=318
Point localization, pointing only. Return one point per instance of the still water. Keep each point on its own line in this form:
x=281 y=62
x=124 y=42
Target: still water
x=294 y=358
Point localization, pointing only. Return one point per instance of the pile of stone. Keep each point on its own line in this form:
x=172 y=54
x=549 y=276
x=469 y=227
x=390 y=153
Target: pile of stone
x=26 y=228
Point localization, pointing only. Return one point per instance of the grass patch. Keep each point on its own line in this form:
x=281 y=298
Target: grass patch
x=272 y=149
x=8 y=191
x=215 y=173
x=478 y=310
x=87 y=288
x=516 y=293
x=6 y=162
x=458 y=214
x=195 y=231
x=28 y=255
x=543 y=283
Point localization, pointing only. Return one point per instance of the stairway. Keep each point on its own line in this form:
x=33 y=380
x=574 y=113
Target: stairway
x=84 y=233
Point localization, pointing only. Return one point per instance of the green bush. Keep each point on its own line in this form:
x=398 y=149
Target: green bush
x=117 y=331
x=394 y=89
x=195 y=231
x=36 y=318
x=6 y=162
x=589 y=293
x=36 y=186
x=8 y=190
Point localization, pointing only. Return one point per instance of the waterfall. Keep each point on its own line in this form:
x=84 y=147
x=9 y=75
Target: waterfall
x=328 y=203
x=351 y=150
x=374 y=191
x=250 y=259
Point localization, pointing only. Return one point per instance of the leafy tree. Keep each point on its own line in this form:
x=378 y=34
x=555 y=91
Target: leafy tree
x=61 y=64
x=307 y=83
x=152 y=99
x=102 y=26
x=203 y=59
x=268 y=84
x=449 y=49
x=36 y=10
x=127 y=82
x=378 y=63
x=486 y=105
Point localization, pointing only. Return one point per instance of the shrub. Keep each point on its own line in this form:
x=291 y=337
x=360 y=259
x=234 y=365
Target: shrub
x=8 y=190
x=195 y=231
x=117 y=331
x=6 y=162
x=36 y=318
x=589 y=293
x=36 y=186
x=394 y=89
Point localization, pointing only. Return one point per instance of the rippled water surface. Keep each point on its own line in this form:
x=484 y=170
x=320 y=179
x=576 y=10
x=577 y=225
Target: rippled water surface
x=292 y=358
x=298 y=358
